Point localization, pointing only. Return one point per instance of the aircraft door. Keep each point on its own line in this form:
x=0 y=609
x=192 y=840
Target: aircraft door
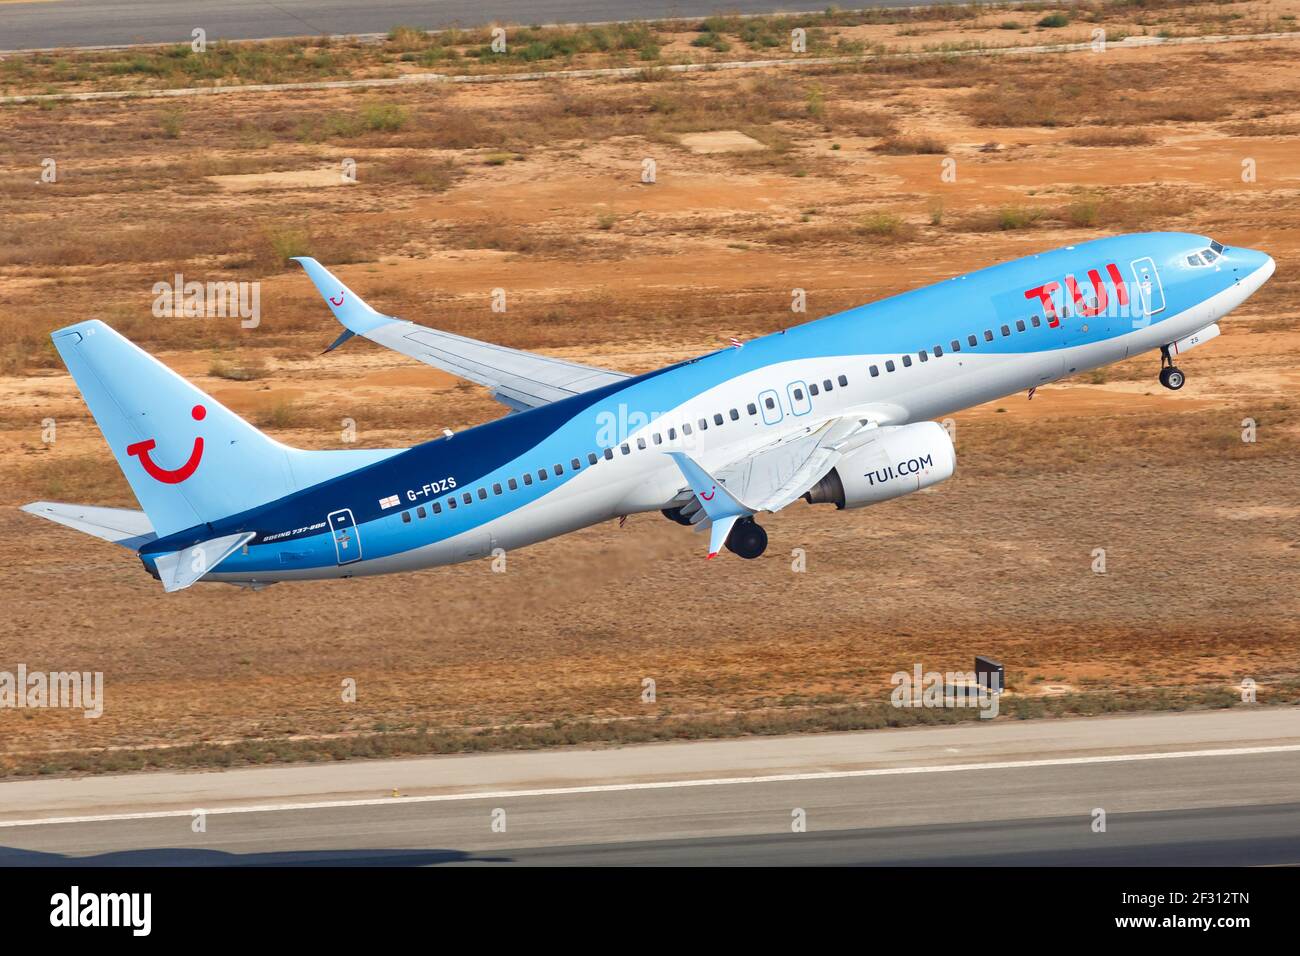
x=347 y=538
x=1148 y=289
x=800 y=402
x=770 y=403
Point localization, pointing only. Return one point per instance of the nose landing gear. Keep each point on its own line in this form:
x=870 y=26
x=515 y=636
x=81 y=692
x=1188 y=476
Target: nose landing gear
x=747 y=539
x=1170 y=376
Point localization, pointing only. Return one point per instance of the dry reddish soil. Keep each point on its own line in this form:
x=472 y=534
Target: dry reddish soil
x=534 y=188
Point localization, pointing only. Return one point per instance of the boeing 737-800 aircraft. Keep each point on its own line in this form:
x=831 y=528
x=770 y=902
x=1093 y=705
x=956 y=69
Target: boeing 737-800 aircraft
x=838 y=410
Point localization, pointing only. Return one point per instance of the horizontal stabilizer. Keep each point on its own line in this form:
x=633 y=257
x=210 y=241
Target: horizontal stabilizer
x=131 y=529
x=177 y=570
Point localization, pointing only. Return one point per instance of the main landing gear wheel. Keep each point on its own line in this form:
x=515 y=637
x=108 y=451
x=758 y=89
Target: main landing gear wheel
x=1170 y=377
x=747 y=539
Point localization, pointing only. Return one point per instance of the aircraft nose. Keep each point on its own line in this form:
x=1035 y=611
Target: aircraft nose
x=1249 y=262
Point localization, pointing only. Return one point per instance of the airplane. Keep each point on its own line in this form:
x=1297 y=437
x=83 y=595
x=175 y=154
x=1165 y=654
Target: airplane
x=837 y=411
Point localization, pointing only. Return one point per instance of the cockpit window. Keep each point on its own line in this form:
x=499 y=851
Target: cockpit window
x=1206 y=256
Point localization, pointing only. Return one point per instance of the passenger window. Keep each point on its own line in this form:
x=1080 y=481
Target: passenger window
x=938 y=351
x=956 y=345
x=406 y=517
x=496 y=488
x=798 y=397
x=753 y=409
x=735 y=415
x=575 y=464
x=591 y=458
x=541 y=475
x=907 y=361
x=672 y=432
x=971 y=339
x=437 y=507
x=1035 y=321
x=1020 y=325
x=923 y=355
x=988 y=335
x=482 y=494
x=875 y=371
x=625 y=448
x=843 y=380
x=770 y=403
x=451 y=503
x=717 y=418
x=558 y=469
x=827 y=385
x=528 y=477
x=812 y=390
x=513 y=485
x=704 y=424
x=686 y=430
x=467 y=498
x=1006 y=330
x=889 y=365
x=421 y=513
x=657 y=438
x=609 y=454
x=640 y=443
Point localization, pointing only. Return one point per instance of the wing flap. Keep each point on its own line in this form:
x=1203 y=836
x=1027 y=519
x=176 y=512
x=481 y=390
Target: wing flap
x=774 y=476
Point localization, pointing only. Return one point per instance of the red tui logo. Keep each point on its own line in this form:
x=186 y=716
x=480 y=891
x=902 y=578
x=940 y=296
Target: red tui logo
x=170 y=476
x=1046 y=294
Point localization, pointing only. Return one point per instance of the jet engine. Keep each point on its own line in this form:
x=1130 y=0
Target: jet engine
x=899 y=460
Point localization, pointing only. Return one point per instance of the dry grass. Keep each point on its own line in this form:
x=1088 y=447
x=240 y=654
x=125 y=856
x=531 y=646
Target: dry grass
x=1110 y=138
x=910 y=145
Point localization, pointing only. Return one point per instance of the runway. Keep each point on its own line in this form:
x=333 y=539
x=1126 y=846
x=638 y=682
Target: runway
x=67 y=23
x=1180 y=789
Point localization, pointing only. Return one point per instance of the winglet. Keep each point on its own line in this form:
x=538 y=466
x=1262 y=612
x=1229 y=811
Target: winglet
x=719 y=531
x=715 y=499
x=721 y=507
x=348 y=307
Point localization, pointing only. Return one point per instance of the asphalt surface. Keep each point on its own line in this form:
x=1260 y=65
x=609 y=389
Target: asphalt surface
x=1215 y=788
x=63 y=23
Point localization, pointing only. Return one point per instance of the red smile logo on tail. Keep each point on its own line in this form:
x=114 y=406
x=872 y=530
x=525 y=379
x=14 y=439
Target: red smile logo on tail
x=171 y=476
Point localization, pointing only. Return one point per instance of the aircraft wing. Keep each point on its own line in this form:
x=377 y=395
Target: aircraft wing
x=516 y=378
x=778 y=474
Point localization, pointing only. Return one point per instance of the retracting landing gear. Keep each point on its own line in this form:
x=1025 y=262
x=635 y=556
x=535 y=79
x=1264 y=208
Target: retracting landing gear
x=675 y=514
x=1170 y=377
x=747 y=539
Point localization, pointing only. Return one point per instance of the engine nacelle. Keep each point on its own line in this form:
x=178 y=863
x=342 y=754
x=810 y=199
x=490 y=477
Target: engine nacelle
x=901 y=459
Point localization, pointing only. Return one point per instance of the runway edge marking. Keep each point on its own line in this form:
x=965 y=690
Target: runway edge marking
x=659 y=785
